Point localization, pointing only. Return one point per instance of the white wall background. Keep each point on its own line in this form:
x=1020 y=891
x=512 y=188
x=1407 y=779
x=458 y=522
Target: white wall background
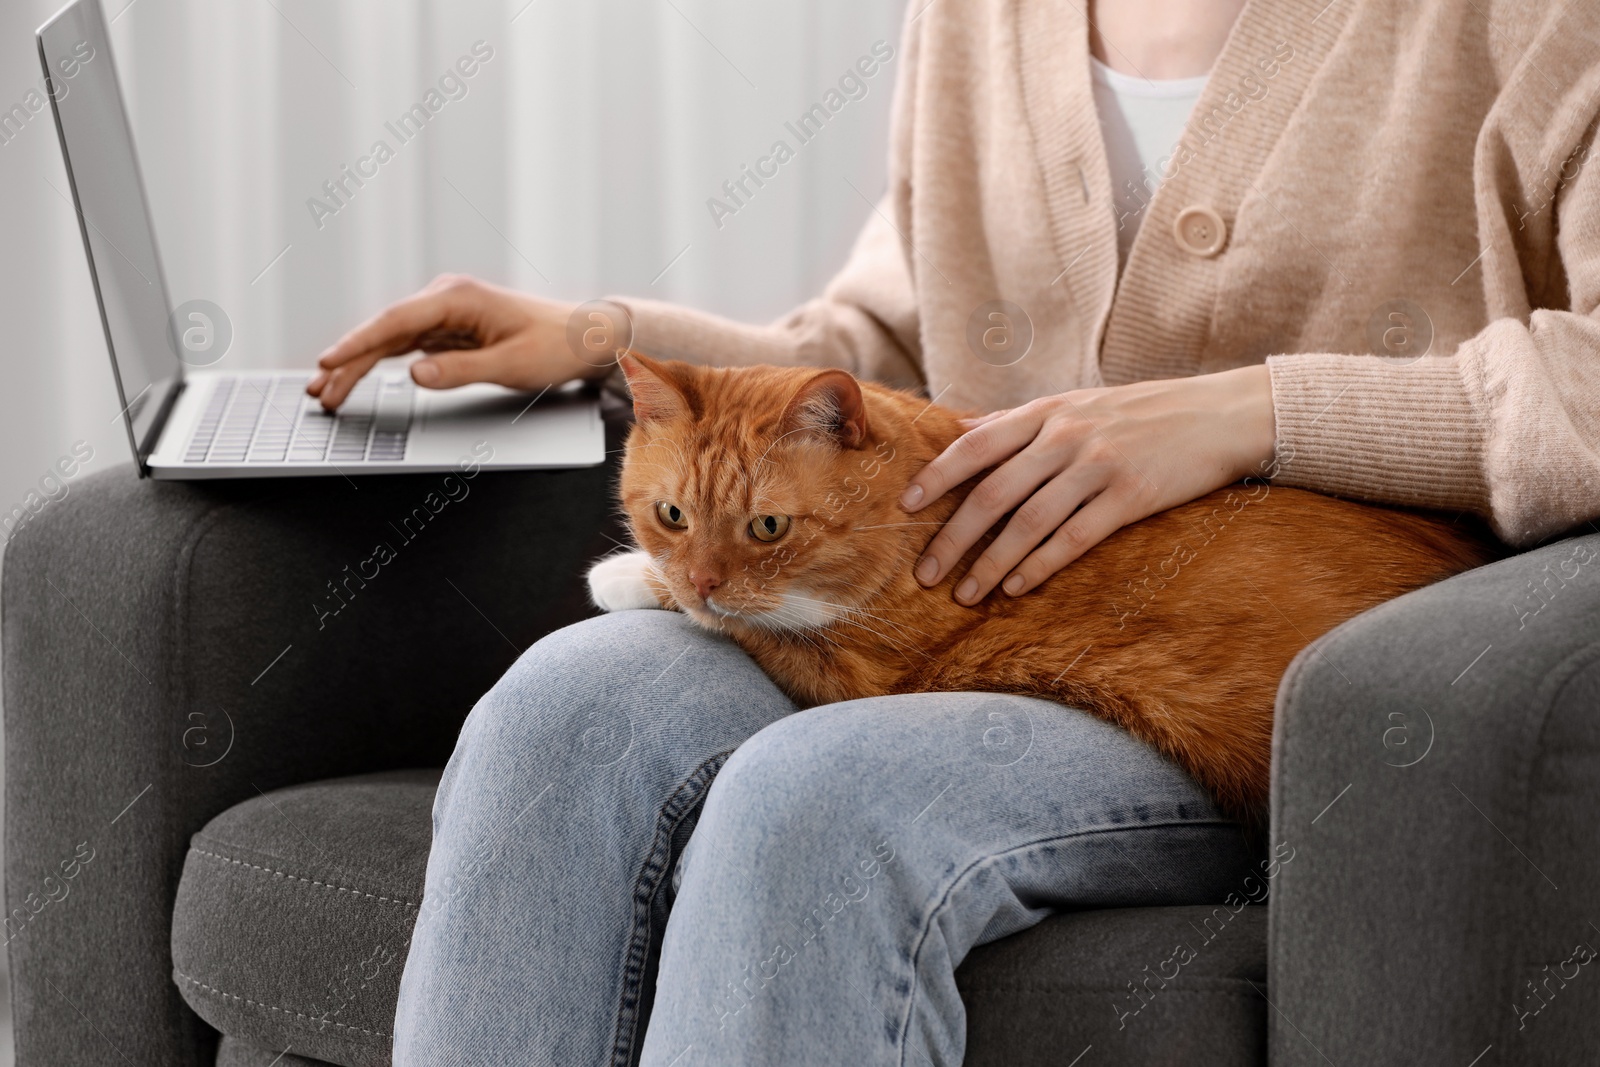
x=578 y=164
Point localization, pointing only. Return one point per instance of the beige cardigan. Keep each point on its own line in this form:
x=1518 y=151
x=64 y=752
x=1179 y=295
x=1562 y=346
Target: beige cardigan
x=1357 y=154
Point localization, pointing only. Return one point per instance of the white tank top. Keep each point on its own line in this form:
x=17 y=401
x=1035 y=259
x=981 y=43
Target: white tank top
x=1140 y=120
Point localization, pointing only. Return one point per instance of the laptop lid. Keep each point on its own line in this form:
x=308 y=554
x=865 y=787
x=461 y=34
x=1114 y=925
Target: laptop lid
x=113 y=217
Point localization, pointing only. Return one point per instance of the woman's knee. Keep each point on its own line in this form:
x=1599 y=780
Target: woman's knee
x=799 y=780
x=872 y=768
x=648 y=687
x=624 y=642
x=873 y=753
x=567 y=674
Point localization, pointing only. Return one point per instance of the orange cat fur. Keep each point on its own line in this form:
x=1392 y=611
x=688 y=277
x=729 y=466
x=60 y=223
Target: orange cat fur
x=1176 y=628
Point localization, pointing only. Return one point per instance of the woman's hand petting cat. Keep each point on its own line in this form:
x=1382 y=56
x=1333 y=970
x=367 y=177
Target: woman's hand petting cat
x=1074 y=468
x=471 y=331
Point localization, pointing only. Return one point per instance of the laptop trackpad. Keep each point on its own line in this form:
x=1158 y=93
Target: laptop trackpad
x=493 y=425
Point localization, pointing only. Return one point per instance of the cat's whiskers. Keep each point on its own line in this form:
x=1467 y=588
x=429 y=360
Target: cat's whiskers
x=794 y=611
x=786 y=618
x=907 y=634
x=857 y=609
x=845 y=612
x=812 y=635
x=825 y=634
x=898 y=645
x=901 y=629
x=848 y=607
x=792 y=595
x=773 y=621
x=718 y=620
x=805 y=633
x=619 y=544
x=852 y=617
x=767 y=618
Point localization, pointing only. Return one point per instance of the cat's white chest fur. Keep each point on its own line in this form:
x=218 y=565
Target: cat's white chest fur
x=621 y=582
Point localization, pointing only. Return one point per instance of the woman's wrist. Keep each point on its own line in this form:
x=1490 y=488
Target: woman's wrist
x=554 y=349
x=1248 y=407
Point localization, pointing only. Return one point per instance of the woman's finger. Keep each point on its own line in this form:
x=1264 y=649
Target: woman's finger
x=1012 y=483
x=979 y=420
x=427 y=319
x=970 y=453
x=392 y=331
x=448 y=369
x=440 y=370
x=1094 y=522
x=333 y=386
x=1036 y=520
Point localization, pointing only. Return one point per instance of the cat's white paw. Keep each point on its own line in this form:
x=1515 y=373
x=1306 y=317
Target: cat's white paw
x=620 y=583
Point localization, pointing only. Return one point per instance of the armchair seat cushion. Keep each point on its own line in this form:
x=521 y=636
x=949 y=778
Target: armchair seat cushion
x=1153 y=987
x=295 y=909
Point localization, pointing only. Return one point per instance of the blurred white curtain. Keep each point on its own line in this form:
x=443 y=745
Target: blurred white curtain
x=577 y=163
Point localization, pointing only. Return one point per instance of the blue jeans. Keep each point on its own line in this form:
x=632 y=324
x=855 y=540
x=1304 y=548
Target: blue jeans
x=825 y=870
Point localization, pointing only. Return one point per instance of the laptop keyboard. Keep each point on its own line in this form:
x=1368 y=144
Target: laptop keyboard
x=272 y=420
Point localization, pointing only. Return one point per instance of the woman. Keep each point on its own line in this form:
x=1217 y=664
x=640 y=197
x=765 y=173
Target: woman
x=1164 y=265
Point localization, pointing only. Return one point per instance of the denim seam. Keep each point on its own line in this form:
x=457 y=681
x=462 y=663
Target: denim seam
x=645 y=887
x=944 y=900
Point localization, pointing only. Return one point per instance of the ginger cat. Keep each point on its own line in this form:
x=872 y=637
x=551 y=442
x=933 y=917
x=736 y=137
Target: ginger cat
x=765 y=501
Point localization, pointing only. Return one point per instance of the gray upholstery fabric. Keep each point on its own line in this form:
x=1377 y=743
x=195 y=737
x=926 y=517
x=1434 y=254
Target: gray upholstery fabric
x=295 y=912
x=1437 y=770
x=296 y=908
x=1119 y=981
x=151 y=627
x=231 y=1052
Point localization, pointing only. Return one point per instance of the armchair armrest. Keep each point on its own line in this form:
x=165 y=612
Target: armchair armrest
x=1437 y=771
x=173 y=648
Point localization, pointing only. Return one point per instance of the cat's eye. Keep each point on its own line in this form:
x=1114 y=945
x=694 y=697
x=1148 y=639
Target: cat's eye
x=672 y=516
x=769 y=527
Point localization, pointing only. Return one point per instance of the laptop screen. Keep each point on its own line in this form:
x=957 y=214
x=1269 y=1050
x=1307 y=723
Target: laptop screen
x=103 y=173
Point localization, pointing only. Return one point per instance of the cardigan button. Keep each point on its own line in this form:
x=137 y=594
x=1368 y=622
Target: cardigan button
x=1200 y=231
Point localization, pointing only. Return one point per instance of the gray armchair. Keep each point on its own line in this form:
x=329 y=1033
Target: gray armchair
x=224 y=722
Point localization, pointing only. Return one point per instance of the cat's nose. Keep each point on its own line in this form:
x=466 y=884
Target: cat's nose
x=704 y=583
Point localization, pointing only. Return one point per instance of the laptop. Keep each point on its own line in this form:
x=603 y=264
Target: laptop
x=188 y=420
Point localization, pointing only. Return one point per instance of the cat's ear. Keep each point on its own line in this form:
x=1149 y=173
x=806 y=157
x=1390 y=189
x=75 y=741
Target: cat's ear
x=658 y=396
x=829 y=405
